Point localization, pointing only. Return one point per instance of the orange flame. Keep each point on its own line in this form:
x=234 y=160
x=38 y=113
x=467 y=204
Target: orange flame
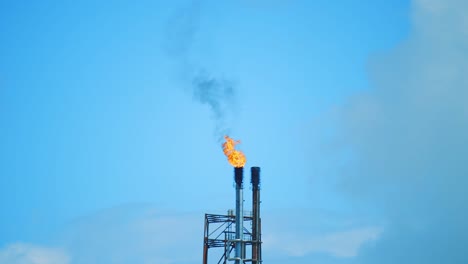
x=235 y=157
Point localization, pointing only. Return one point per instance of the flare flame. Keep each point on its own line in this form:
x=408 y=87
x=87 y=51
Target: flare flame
x=235 y=157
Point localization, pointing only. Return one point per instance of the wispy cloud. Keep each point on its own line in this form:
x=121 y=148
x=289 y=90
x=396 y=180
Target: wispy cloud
x=306 y=234
x=143 y=234
x=342 y=244
x=134 y=234
x=20 y=253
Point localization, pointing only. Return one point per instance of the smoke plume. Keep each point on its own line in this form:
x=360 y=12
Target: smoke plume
x=206 y=88
x=218 y=95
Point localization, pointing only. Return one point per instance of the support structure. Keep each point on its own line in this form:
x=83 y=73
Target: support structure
x=232 y=234
x=220 y=237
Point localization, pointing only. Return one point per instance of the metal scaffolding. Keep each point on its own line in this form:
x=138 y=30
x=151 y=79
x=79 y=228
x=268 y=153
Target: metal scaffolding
x=220 y=233
x=238 y=230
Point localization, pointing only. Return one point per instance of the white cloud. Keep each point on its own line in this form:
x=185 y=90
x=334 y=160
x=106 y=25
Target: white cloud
x=143 y=234
x=20 y=253
x=135 y=234
x=409 y=137
x=342 y=244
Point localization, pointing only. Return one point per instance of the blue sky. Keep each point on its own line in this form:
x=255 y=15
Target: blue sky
x=111 y=115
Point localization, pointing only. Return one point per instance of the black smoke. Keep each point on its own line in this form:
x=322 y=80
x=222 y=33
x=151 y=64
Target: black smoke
x=217 y=93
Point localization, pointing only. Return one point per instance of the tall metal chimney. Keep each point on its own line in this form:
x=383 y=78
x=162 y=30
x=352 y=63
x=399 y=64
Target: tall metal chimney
x=256 y=224
x=238 y=177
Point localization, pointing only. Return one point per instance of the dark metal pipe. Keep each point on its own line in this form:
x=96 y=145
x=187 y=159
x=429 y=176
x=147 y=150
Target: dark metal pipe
x=238 y=178
x=205 y=242
x=256 y=229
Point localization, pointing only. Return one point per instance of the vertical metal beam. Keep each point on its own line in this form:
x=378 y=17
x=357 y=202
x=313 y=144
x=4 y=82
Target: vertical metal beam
x=205 y=242
x=259 y=245
x=238 y=177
